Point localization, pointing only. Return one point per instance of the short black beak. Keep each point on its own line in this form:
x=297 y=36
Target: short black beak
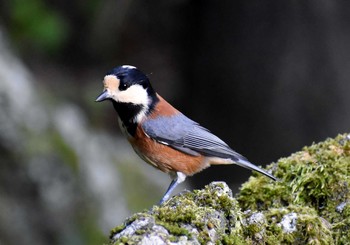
x=102 y=96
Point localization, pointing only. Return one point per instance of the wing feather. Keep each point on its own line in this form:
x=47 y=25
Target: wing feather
x=185 y=135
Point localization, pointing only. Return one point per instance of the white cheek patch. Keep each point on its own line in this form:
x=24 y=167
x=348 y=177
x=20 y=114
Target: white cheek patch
x=135 y=94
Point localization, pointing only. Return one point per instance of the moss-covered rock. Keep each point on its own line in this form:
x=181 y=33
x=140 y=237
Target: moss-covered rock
x=200 y=217
x=310 y=204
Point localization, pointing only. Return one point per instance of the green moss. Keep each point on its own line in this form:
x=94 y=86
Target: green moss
x=310 y=204
x=203 y=238
x=140 y=232
x=305 y=179
x=173 y=238
x=232 y=239
x=316 y=180
x=309 y=226
x=117 y=229
x=175 y=229
x=123 y=239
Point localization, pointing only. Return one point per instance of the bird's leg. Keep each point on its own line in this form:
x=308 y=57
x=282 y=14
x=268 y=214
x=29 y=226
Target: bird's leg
x=177 y=179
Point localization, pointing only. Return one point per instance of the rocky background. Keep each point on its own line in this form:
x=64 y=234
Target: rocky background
x=267 y=77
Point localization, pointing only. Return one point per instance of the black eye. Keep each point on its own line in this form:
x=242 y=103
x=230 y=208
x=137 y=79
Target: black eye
x=123 y=86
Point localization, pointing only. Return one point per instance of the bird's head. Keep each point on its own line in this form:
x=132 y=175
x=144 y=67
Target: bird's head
x=126 y=84
x=129 y=89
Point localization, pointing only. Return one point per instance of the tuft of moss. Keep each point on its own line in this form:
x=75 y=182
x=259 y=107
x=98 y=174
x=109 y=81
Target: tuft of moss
x=313 y=183
x=117 y=229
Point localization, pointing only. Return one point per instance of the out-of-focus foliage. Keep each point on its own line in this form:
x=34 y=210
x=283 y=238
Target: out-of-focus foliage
x=37 y=25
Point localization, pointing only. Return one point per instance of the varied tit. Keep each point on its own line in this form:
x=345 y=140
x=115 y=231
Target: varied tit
x=160 y=134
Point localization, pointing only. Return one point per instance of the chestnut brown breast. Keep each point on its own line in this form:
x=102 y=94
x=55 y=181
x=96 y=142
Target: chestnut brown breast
x=164 y=157
x=161 y=156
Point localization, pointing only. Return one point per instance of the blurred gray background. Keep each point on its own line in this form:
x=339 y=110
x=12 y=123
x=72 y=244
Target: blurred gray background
x=268 y=77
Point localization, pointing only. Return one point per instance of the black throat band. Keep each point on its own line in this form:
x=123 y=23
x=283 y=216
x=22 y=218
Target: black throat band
x=127 y=113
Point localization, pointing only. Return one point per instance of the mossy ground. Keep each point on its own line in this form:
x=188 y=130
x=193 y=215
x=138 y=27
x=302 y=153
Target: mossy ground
x=309 y=204
x=313 y=183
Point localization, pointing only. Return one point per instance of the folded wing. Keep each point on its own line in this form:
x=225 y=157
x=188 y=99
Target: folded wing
x=185 y=135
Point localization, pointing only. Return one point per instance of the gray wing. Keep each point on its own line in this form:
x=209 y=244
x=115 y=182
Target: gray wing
x=185 y=135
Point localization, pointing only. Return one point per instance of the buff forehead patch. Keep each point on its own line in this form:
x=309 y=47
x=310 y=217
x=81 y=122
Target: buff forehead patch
x=111 y=82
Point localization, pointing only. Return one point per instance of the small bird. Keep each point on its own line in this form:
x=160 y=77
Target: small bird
x=160 y=134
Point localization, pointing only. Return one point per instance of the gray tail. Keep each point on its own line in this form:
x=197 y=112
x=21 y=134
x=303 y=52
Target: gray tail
x=246 y=164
